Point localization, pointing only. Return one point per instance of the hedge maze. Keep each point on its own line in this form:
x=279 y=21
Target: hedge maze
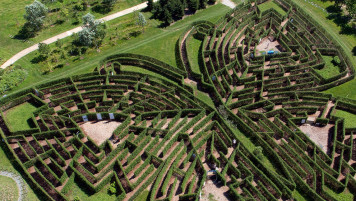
x=259 y=68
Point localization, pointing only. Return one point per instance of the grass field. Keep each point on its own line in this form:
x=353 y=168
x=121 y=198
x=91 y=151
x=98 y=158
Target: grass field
x=19 y=117
x=344 y=196
x=270 y=4
x=330 y=69
x=193 y=54
x=143 y=196
x=350 y=119
x=83 y=194
x=152 y=40
x=9 y=190
x=11 y=19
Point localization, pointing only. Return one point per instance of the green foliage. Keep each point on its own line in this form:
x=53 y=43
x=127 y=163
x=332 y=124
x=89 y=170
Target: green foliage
x=141 y=21
x=11 y=77
x=44 y=49
x=336 y=59
x=35 y=14
x=109 y=3
x=193 y=5
x=93 y=32
x=112 y=188
x=258 y=152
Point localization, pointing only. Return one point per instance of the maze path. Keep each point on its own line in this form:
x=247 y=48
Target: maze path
x=168 y=141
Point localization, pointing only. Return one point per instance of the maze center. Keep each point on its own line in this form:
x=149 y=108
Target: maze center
x=268 y=134
x=99 y=131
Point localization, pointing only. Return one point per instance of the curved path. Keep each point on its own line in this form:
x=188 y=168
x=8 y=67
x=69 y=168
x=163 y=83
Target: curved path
x=229 y=3
x=28 y=50
x=19 y=182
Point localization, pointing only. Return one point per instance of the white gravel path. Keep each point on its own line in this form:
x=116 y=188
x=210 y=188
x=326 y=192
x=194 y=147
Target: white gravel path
x=228 y=3
x=26 y=51
x=19 y=182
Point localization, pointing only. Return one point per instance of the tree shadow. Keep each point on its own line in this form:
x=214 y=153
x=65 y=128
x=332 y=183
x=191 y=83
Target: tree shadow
x=24 y=33
x=101 y=9
x=38 y=59
x=354 y=51
x=337 y=16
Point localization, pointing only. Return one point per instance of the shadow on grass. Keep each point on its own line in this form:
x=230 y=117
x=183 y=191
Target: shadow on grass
x=101 y=9
x=338 y=17
x=38 y=59
x=354 y=51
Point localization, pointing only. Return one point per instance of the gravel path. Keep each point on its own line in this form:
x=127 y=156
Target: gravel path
x=228 y=3
x=19 y=182
x=26 y=51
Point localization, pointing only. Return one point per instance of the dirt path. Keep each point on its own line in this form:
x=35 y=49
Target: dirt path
x=28 y=50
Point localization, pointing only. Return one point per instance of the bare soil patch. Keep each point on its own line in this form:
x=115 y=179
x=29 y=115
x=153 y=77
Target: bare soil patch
x=319 y=135
x=212 y=192
x=99 y=131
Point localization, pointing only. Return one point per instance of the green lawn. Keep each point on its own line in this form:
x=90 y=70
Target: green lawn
x=19 y=117
x=193 y=54
x=9 y=190
x=84 y=195
x=270 y=4
x=152 y=40
x=11 y=20
x=350 y=119
x=344 y=196
x=143 y=196
x=298 y=196
x=330 y=70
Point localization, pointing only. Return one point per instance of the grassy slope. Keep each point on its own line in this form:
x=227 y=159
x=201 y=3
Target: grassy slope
x=350 y=119
x=330 y=69
x=83 y=194
x=9 y=190
x=153 y=41
x=11 y=20
x=19 y=116
x=270 y=4
x=193 y=54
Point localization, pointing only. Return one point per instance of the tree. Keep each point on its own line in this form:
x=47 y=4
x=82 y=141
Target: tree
x=35 y=14
x=93 y=31
x=336 y=60
x=44 y=49
x=176 y=8
x=351 y=7
x=149 y=5
x=86 y=37
x=166 y=17
x=202 y=4
x=109 y=3
x=89 y=20
x=141 y=21
x=59 y=43
x=193 y=5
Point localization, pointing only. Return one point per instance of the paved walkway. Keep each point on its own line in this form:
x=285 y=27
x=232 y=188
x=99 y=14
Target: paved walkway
x=70 y=32
x=19 y=182
x=228 y=3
